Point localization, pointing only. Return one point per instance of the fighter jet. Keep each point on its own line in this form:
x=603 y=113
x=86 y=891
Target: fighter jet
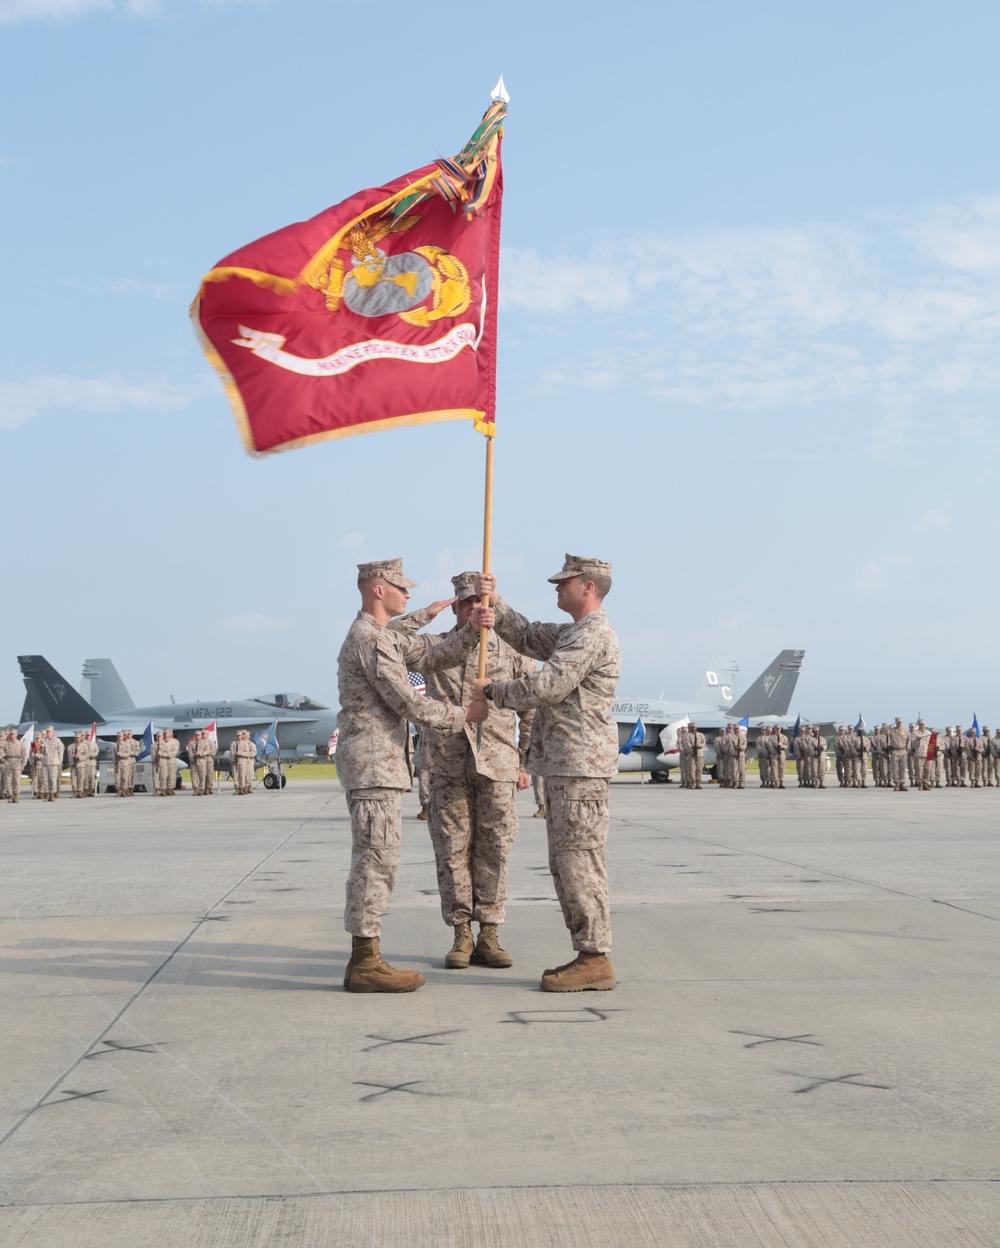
x=713 y=706
x=303 y=723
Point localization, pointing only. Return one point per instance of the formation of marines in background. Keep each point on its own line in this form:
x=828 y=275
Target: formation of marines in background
x=901 y=758
x=46 y=757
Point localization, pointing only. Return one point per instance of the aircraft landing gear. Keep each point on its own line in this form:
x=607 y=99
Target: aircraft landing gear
x=271 y=781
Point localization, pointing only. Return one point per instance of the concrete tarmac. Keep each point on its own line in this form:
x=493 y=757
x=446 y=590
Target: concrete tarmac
x=802 y=1049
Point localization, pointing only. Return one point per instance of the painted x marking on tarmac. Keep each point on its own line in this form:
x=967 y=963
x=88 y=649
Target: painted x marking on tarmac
x=819 y=1081
x=763 y=1038
x=391 y=1087
x=426 y=1037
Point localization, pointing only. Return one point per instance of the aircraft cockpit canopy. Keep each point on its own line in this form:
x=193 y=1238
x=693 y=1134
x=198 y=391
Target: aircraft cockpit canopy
x=290 y=702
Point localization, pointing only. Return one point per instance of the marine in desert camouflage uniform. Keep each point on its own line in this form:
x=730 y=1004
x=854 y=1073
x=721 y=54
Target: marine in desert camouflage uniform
x=208 y=750
x=538 y=789
x=575 y=746
x=911 y=755
x=740 y=757
x=13 y=760
x=842 y=758
x=127 y=748
x=92 y=752
x=861 y=759
x=77 y=755
x=779 y=755
x=805 y=757
x=765 y=761
x=51 y=756
x=377 y=703
x=995 y=758
x=899 y=745
x=165 y=764
x=975 y=756
x=819 y=759
x=473 y=779
x=685 y=748
x=243 y=752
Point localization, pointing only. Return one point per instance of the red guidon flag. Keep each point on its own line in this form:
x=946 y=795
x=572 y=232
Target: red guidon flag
x=378 y=312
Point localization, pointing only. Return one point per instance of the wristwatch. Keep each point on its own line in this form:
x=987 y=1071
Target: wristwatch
x=488 y=692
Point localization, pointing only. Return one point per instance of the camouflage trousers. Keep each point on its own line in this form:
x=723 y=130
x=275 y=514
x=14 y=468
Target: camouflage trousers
x=538 y=788
x=243 y=779
x=473 y=823
x=165 y=776
x=424 y=788
x=124 y=774
x=375 y=829
x=576 y=816
x=51 y=773
x=897 y=767
x=859 y=771
x=78 y=777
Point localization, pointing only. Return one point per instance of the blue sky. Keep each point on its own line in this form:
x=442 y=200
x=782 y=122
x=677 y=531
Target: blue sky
x=749 y=330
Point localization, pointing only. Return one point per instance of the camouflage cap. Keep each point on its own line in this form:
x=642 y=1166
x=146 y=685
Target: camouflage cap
x=465 y=585
x=580 y=565
x=390 y=570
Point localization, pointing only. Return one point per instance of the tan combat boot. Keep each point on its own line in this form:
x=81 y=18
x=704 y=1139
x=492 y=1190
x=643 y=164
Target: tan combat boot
x=367 y=972
x=457 y=959
x=586 y=971
x=488 y=951
x=424 y=815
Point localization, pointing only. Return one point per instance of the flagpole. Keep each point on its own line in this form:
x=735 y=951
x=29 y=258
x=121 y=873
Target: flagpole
x=487 y=554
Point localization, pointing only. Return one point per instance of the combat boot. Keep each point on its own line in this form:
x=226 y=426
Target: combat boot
x=424 y=815
x=539 y=813
x=488 y=951
x=457 y=959
x=367 y=972
x=586 y=971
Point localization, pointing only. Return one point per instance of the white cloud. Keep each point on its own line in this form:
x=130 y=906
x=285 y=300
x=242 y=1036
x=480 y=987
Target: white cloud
x=876 y=571
x=21 y=401
x=49 y=10
x=249 y=626
x=67 y=10
x=133 y=286
x=934 y=519
x=753 y=318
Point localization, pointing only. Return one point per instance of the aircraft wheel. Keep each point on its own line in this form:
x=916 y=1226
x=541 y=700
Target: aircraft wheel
x=284 y=781
x=271 y=781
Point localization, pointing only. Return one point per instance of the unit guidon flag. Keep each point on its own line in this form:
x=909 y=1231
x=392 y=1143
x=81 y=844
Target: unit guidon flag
x=378 y=312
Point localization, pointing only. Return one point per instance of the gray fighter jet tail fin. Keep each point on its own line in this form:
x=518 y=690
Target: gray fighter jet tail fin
x=771 y=692
x=718 y=688
x=50 y=698
x=105 y=689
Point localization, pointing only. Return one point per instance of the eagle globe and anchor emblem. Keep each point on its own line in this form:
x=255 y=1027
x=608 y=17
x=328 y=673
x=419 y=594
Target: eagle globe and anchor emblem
x=421 y=286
